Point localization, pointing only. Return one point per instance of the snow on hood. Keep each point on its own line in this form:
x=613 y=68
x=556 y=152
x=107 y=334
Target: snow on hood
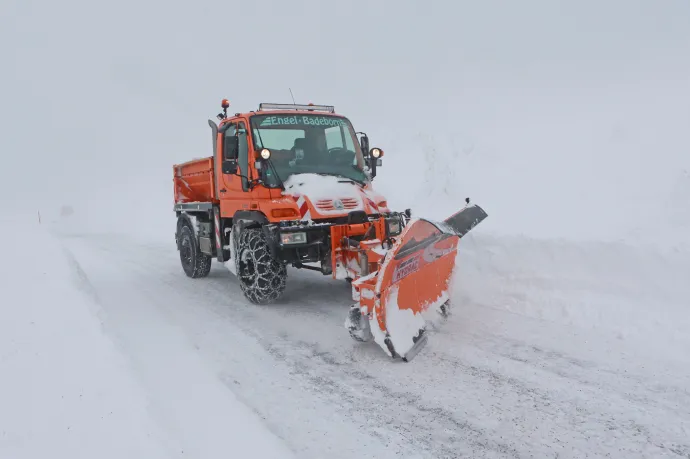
x=331 y=188
x=317 y=187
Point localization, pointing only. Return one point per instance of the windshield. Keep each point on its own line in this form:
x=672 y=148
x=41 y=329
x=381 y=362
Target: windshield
x=316 y=144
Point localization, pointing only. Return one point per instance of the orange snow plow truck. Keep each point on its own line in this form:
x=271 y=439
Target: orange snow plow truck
x=291 y=185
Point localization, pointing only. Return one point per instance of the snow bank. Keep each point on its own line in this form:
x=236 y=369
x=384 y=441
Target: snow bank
x=66 y=390
x=635 y=295
x=579 y=165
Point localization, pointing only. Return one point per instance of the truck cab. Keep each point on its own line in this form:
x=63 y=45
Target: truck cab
x=263 y=154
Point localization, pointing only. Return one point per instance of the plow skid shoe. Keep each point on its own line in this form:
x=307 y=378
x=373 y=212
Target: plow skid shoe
x=416 y=348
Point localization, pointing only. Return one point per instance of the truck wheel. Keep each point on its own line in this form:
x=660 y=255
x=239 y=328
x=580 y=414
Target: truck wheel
x=194 y=263
x=262 y=278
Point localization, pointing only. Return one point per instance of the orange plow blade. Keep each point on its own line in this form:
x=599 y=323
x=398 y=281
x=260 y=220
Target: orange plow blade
x=414 y=277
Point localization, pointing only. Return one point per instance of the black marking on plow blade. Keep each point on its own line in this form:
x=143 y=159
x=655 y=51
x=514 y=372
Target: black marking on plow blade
x=462 y=222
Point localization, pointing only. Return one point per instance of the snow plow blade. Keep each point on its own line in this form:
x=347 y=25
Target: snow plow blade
x=413 y=278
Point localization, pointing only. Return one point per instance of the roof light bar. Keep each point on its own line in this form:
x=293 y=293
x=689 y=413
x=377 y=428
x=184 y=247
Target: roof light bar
x=316 y=108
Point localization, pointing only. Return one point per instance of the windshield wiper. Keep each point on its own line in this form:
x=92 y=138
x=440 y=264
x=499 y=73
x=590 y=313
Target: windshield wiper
x=349 y=179
x=359 y=169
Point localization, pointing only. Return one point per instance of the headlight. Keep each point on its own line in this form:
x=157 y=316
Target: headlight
x=265 y=153
x=293 y=238
x=394 y=227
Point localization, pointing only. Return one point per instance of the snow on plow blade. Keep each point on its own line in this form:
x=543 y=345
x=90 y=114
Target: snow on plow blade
x=414 y=278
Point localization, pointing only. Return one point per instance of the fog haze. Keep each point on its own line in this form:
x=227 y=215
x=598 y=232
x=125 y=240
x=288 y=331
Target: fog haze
x=562 y=119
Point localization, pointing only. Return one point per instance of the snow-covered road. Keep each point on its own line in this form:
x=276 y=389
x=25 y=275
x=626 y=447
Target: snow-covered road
x=515 y=371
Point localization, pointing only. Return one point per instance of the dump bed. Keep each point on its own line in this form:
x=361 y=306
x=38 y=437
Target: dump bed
x=194 y=182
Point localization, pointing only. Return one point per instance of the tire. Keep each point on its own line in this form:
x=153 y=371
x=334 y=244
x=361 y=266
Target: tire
x=262 y=278
x=194 y=263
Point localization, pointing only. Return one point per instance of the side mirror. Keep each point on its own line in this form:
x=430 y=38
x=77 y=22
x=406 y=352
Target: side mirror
x=230 y=166
x=364 y=143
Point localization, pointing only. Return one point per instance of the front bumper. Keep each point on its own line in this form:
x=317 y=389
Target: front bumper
x=317 y=248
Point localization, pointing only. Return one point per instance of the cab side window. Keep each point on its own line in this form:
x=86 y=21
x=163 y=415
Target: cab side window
x=229 y=153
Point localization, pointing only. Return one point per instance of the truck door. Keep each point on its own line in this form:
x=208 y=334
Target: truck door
x=233 y=189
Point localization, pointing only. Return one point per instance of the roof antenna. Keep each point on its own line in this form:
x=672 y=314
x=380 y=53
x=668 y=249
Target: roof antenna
x=293 y=97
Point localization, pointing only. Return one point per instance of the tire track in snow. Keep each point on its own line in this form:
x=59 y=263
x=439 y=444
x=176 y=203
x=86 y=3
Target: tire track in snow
x=636 y=388
x=345 y=386
x=589 y=410
x=361 y=391
x=555 y=403
x=179 y=304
